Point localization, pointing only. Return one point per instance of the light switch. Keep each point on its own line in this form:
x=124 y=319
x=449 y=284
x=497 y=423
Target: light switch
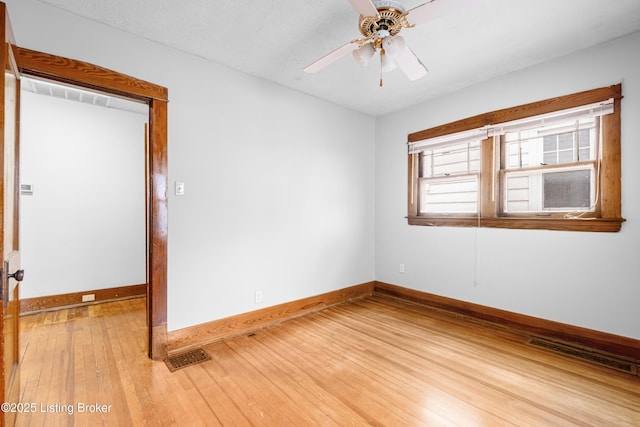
x=179 y=188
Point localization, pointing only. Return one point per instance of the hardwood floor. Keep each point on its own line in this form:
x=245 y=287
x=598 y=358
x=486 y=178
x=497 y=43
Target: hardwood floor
x=375 y=361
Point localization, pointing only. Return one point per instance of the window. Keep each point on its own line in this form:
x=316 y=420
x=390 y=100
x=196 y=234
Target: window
x=553 y=164
x=553 y=168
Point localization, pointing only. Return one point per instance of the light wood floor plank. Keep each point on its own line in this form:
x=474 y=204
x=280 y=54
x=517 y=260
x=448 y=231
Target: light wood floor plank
x=376 y=361
x=408 y=372
x=496 y=369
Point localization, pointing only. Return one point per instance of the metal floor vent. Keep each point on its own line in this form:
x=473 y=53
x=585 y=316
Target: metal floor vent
x=589 y=355
x=185 y=359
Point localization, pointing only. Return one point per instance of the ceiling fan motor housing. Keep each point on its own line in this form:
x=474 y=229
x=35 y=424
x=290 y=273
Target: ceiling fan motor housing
x=392 y=18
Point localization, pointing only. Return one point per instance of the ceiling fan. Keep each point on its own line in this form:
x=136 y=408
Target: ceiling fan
x=380 y=23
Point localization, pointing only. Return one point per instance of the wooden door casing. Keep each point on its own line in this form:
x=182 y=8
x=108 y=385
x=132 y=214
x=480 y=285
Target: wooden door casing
x=9 y=214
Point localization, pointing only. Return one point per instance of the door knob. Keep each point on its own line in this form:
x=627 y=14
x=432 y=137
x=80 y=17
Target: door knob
x=18 y=275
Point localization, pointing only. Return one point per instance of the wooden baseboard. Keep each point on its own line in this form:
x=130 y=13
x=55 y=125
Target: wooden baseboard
x=31 y=305
x=198 y=335
x=613 y=344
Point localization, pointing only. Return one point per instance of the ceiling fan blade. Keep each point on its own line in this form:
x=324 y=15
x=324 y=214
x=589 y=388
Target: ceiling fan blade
x=411 y=65
x=436 y=9
x=364 y=7
x=331 y=57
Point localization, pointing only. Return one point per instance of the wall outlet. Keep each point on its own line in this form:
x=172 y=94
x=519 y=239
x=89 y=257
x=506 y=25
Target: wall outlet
x=258 y=297
x=401 y=268
x=88 y=297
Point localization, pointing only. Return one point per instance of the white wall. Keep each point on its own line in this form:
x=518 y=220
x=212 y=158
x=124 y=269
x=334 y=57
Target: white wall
x=584 y=279
x=279 y=185
x=84 y=226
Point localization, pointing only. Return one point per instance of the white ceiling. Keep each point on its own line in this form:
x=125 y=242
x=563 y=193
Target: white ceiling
x=276 y=39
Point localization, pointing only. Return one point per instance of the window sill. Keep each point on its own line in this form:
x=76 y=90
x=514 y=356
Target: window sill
x=564 y=224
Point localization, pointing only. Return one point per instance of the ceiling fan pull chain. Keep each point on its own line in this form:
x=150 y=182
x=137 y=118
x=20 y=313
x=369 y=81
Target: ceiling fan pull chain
x=381 y=53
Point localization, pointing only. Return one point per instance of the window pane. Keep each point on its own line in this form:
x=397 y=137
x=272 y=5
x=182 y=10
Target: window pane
x=567 y=190
x=565 y=156
x=584 y=154
x=550 y=143
x=518 y=153
x=584 y=138
x=565 y=141
x=454 y=195
x=524 y=153
x=562 y=143
x=452 y=159
x=513 y=155
x=550 y=158
x=586 y=143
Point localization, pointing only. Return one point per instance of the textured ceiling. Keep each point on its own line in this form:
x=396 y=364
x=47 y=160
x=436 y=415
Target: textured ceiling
x=276 y=39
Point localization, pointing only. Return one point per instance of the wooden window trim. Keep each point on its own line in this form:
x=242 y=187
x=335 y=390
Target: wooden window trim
x=609 y=207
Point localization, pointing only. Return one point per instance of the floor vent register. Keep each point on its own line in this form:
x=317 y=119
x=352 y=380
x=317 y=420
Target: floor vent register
x=590 y=355
x=189 y=358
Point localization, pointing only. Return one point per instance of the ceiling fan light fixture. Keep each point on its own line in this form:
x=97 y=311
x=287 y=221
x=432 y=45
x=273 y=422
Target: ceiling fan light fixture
x=363 y=54
x=394 y=46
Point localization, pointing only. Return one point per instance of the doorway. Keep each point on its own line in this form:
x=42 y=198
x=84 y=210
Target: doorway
x=83 y=195
x=92 y=77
